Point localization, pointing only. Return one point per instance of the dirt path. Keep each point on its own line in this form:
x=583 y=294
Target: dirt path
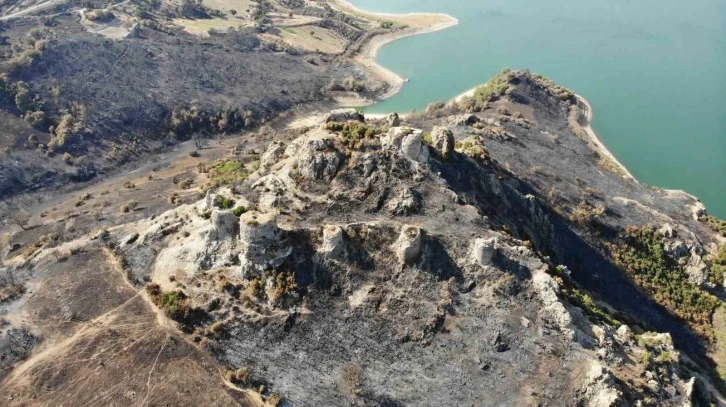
x=31 y=9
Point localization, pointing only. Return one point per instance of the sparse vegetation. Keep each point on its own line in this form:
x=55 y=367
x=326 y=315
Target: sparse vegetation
x=353 y=379
x=492 y=90
x=227 y=172
x=101 y=16
x=352 y=132
x=642 y=254
x=714 y=223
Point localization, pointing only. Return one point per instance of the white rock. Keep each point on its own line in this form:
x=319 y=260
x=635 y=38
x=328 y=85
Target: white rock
x=272 y=155
x=333 y=241
x=443 y=141
x=408 y=245
x=483 y=250
x=263 y=244
x=413 y=147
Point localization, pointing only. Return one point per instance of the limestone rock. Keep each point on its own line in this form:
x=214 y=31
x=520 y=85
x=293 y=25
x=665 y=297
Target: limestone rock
x=273 y=191
x=698 y=209
x=406 y=202
x=225 y=223
x=443 y=141
x=600 y=388
x=344 y=115
x=667 y=231
x=409 y=243
x=316 y=159
x=624 y=334
x=272 y=155
x=333 y=241
x=414 y=148
x=548 y=290
x=696 y=268
x=462 y=120
x=483 y=250
x=263 y=244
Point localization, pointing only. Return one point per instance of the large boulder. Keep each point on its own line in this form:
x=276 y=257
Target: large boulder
x=462 y=120
x=409 y=244
x=344 y=115
x=414 y=148
x=406 y=202
x=316 y=158
x=333 y=241
x=483 y=250
x=263 y=245
x=272 y=155
x=443 y=140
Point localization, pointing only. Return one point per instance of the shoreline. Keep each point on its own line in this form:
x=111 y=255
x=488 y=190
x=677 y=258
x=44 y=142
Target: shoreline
x=367 y=56
x=600 y=148
x=367 y=60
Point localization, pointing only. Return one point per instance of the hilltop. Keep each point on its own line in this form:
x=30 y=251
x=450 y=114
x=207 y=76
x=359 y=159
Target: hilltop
x=478 y=253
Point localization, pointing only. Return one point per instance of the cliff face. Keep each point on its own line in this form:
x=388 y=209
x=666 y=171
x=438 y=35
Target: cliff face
x=485 y=258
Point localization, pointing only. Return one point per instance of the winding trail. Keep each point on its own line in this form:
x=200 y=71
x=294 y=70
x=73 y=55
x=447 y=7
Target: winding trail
x=30 y=9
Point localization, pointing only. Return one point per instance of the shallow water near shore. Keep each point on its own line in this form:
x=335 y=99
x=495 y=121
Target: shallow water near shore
x=654 y=71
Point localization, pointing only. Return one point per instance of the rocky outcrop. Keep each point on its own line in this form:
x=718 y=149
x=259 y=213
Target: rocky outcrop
x=272 y=155
x=333 y=245
x=443 y=140
x=483 y=250
x=409 y=243
x=344 y=115
x=315 y=158
x=263 y=245
x=548 y=291
x=462 y=120
x=406 y=202
x=600 y=389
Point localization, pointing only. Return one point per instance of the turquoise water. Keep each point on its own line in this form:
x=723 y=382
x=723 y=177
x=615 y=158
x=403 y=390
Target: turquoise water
x=654 y=71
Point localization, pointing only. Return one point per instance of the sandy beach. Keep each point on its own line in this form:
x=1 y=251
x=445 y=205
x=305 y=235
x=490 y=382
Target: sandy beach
x=417 y=23
x=598 y=145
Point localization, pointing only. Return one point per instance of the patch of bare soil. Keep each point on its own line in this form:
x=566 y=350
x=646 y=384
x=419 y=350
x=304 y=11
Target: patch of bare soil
x=125 y=358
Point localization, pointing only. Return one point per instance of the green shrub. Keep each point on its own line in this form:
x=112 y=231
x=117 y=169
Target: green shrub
x=23 y=97
x=641 y=253
x=238 y=211
x=227 y=172
x=495 y=88
x=36 y=119
x=714 y=223
x=225 y=203
x=717 y=261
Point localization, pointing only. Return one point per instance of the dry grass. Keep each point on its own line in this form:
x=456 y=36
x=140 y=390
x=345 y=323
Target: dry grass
x=202 y=27
x=312 y=38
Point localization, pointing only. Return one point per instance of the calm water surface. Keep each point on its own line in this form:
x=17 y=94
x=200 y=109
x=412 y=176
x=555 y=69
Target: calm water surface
x=654 y=71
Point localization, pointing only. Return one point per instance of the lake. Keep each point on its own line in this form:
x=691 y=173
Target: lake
x=654 y=71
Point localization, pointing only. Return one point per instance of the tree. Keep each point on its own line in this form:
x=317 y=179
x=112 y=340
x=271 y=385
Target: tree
x=233 y=12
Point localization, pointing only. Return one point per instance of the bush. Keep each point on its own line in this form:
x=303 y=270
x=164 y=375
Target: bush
x=714 y=223
x=129 y=185
x=227 y=172
x=238 y=211
x=186 y=184
x=641 y=253
x=36 y=119
x=100 y=15
x=494 y=89
x=23 y=98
